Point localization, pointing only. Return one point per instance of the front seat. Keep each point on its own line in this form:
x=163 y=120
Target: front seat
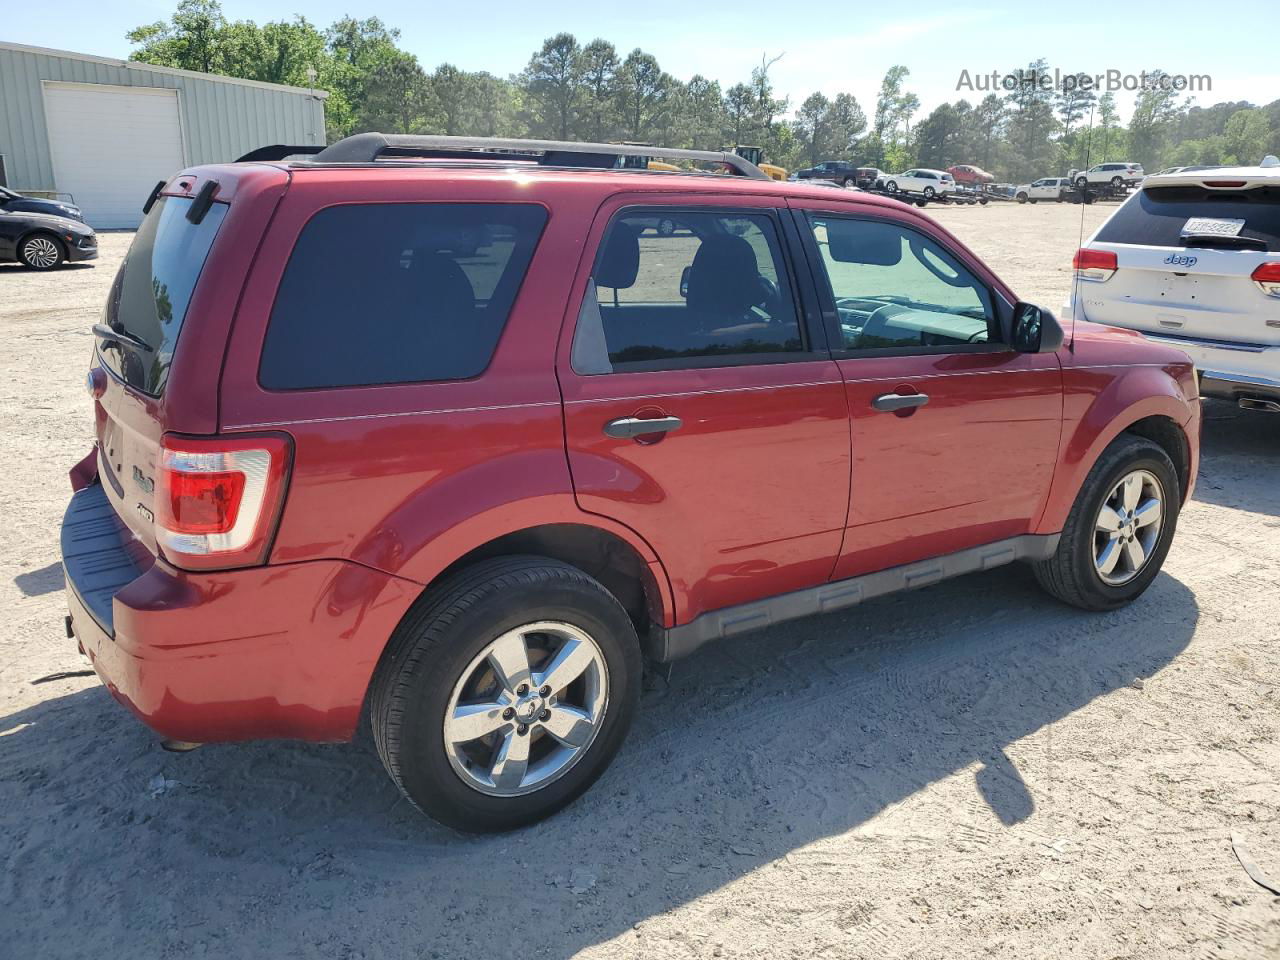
x=724 y=284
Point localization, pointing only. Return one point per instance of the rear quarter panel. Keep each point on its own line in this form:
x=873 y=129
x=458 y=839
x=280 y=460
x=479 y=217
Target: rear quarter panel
x=406 y=478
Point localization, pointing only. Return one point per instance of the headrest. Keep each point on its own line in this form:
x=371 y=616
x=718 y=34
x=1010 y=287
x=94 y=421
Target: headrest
x=619 y=259
x=724 y=276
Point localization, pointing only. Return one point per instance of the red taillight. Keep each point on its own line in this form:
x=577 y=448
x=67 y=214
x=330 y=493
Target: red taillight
x=1267 y=277
x=1094 y=264
x=201 y=502
x=218 y=499
x=1225 y=183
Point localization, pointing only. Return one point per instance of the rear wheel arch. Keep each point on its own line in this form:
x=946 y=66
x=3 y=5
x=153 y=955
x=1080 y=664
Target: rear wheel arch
x=599 y=553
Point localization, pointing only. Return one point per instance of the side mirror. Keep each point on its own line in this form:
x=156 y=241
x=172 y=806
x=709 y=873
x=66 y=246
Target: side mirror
x=1035 y=330
x=684 y=282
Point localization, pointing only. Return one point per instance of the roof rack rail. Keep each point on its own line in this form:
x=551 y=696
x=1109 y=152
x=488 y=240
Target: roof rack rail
x=278 y=151
x=363 y=148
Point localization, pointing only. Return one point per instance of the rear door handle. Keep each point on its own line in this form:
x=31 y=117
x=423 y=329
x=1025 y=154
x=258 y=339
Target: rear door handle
x=625 y=428
x=889 y=402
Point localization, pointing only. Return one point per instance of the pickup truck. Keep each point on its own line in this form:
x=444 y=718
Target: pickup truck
x=1046 y=188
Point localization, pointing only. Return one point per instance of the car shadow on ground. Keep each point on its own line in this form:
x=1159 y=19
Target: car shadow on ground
x=1239 y=457
x=36 y=583
x=755 y=750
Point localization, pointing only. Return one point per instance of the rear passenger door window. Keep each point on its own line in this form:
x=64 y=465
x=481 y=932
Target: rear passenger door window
x=688 y=288
x=386 y=293
x=896 y=291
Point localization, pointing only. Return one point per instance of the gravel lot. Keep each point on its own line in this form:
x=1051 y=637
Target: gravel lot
x=971 y=770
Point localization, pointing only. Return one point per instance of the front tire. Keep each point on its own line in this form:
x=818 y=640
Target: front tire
x=1022 y=198
x=505 y=693
x=41 y=252
x=892 y=186
x=1119 y=529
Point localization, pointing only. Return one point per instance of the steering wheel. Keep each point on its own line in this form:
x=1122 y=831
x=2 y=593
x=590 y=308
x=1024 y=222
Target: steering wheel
x=927 y=259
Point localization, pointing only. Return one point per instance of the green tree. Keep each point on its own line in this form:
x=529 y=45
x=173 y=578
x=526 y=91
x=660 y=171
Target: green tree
x=812 y=127
x=397 y=98
x=1245 y=136
x=552 y=86
x=453 y=99
x=192 y=39
x=642 y=94
x=598 y=67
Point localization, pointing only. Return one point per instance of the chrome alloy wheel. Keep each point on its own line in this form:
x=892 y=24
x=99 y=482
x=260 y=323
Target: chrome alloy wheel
x=40 y=252
x=526 y=709
x=1128 y=527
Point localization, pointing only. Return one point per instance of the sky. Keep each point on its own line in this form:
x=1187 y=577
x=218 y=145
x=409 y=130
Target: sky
x=833 y=54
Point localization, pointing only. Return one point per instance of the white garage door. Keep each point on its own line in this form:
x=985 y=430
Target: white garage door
x=110 y=145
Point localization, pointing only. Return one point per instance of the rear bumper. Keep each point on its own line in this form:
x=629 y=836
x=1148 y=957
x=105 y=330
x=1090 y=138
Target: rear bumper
x=1229 y=371
x=258 y=653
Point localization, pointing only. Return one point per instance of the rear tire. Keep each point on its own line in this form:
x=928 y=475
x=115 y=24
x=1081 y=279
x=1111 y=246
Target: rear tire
x=41 y=252
x=929 y=192
x=443 y=655
x=1073 y=574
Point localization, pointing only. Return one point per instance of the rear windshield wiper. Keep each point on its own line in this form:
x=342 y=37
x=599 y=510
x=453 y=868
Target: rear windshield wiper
x=112 y=335
x=1218 y=240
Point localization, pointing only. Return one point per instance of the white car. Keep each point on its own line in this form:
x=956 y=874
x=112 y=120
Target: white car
x=1046 y=188
x=1193 y=259
x=1116 y=174
x=921 y=180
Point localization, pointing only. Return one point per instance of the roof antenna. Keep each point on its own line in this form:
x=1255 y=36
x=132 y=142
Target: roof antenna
x=1084 y=202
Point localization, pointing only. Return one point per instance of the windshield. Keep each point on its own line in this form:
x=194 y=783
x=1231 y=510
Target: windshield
x=149 y=296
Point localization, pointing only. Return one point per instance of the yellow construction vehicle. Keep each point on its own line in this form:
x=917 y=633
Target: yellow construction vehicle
x=756 y=155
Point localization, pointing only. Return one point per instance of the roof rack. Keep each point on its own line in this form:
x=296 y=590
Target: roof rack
x=365 y=148
x=278 y=151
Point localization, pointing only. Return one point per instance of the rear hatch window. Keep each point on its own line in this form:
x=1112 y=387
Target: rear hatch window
x=1157 y=217
x=149 y=296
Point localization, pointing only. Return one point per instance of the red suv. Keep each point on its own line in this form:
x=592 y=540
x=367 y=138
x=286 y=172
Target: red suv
x=459 y=437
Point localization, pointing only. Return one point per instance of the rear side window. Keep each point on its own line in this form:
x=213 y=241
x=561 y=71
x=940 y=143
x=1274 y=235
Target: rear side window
x=149 y=295
x=397 y=293
x=1156 y=216
x=687 y=289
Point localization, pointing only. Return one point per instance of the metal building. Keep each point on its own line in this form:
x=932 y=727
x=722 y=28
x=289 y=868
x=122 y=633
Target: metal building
x=106 y=130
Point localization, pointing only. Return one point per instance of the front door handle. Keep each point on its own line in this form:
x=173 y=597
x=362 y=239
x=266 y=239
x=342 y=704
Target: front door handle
x=891 y=402
x=626 y=428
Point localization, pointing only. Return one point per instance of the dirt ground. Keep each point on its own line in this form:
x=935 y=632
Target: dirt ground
x=972 y=770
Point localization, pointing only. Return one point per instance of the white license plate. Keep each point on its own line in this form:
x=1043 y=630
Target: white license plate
x=1212 y=227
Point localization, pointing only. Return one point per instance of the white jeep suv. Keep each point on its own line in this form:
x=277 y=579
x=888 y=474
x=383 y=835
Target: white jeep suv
x=922 y=180
x=1193 y=259
x=1116 y=174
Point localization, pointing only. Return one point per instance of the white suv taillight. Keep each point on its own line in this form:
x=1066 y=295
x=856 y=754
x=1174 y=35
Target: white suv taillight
x=1267 y=277
x=1096 y=265
x=218 y=499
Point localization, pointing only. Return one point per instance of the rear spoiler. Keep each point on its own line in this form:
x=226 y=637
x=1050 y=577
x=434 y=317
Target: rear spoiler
x=1225 y=178
x=278 y=151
